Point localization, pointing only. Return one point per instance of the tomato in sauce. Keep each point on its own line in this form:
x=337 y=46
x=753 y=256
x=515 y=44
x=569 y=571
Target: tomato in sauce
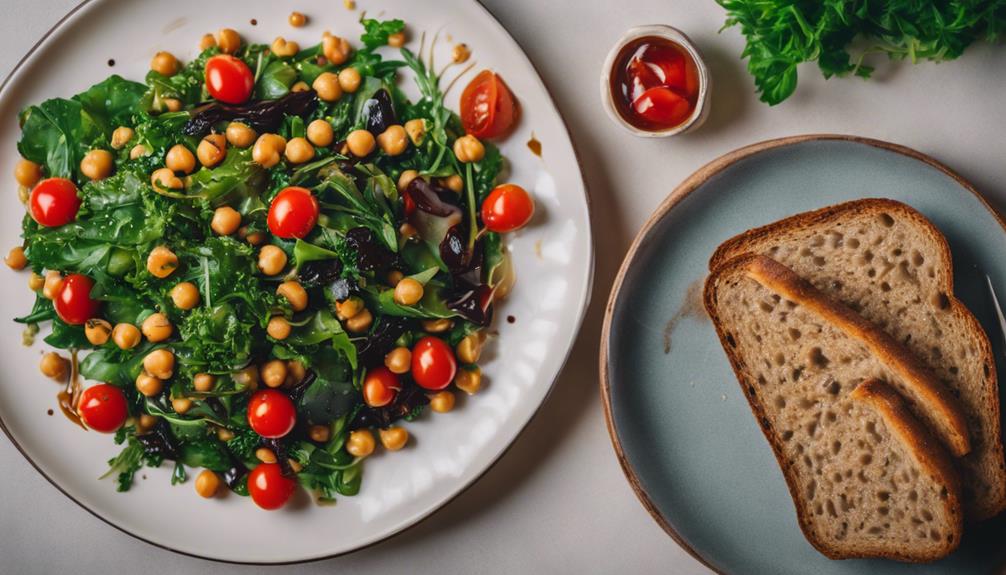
x=654 y=84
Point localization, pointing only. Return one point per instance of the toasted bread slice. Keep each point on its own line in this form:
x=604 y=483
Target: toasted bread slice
x=890 y=264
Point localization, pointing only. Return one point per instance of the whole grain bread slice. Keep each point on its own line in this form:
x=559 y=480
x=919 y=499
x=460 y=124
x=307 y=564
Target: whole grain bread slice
x=889 y=263
x=866 y=478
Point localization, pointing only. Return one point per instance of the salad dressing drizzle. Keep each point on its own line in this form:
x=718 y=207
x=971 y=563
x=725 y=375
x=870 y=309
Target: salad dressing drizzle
x=69 y=398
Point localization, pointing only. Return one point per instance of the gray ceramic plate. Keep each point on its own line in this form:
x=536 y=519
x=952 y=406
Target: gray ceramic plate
x=682 y=429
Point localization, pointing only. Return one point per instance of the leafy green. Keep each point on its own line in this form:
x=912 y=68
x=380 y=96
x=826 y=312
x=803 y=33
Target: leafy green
x=331 y=394
x=376 y=32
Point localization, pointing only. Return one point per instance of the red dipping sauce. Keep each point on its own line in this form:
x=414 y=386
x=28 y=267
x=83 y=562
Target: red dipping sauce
x=654 y=84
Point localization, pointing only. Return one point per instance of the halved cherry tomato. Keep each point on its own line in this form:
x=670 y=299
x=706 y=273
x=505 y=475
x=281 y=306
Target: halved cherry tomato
x=228 y=79
x=102 y=408
x=271 y=413
x=662 y=106
x=268 y=487
x=507 y=208
x=54 y=202
x=380 y=386
x=433 y=363
x=293 y=213
x=488 y=108
x=73 y=302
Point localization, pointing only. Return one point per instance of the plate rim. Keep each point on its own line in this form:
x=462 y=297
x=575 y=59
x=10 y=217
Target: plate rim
x=693 y=182
x=587 y=295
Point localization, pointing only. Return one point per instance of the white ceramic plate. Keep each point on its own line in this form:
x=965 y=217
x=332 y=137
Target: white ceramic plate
x=553 y=257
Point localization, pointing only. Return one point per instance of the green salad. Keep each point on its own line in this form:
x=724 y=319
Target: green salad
x=269 y=256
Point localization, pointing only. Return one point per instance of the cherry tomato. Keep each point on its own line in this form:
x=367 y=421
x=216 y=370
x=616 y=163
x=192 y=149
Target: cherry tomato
x=507 y=208
x=271 y=413
x=73 y=302
x=380 y=386
x=54 y=202
x=102 y=408
x=433 y=363
x=228 y=79
x=662 y=106
x=488 y=108
x=268 y=487
x=293 y=213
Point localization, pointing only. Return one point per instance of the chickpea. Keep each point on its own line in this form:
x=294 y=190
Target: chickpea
x=396 y=40
x=254 y=238
x=180 y=159
x=361 y=143
x=437 y=325
x=416 y=129
x=278 y=327
x=284 y=48
x=148 y=385
x=160 y=363
x=273 y=373
x=408 y=292
x=336 y=49
x=408 y=231
x=156 y=327
x=319 y=433
x=360 y=322
x=161 y=262
x=294 y=293
x=226 y=220
x=349 y=80
x=97 y=164
x=265 y=455
x=247 y=378
x=268 y=150
x=145 y=422
x=181 y=405
x=53 y=284
x=297 y=19
x=295 y=373
x=203 y=382
x=271 y=260
x=300 y=86
x=97 y=331
x=164 y=178
x=298 y=151
x=207 y=42
x=35 y=282
x=15 y=259
x=394 y=277
x=121 y=136
x=468 y=380
x=399 y=360
x=442 y=402
x=406 y=178
x=469 y=348
x=393 y=140
x=207 y=483
x=185 y=295
x=349 y=307
x=454 y=183
x=393 y=438
x=460 y=53
x=360 y=443
x=320 y=133
x=228 y=40
x=172 y=104
x=295 y=465
x=240 y=135
x=126 y=335
x=165 y=64
x=137 y=151
x=327 y=86
x=27 y=173
x=224 y=434
x=212 y=150
x=54 y=366
x=469 y=149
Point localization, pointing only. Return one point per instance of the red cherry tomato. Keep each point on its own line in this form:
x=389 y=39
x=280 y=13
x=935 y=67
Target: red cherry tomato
x=433 y=363
x=488 y=108
x=293 y=213
x=380 y=386
x=507 y=208
x=271 y=413
x=73 y=302
x=268 y=487
x=662 y=106
x=228 y=79
x=102 y=408
x=54 y=202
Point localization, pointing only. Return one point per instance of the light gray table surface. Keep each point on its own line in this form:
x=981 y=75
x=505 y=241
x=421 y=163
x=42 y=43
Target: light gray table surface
x=557 y=502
